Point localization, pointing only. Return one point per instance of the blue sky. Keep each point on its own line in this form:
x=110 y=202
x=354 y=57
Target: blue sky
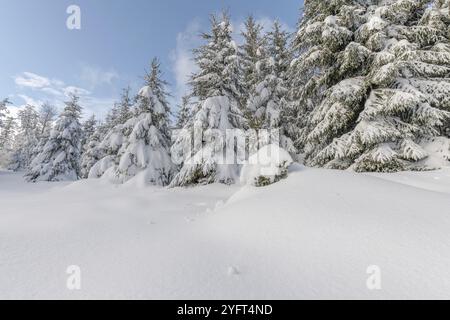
x=41 y=59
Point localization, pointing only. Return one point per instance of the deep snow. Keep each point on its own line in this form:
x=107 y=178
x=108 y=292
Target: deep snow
x=312 y=235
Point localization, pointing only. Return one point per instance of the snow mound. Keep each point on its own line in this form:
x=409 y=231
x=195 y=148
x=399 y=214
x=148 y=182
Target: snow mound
x=269 y=165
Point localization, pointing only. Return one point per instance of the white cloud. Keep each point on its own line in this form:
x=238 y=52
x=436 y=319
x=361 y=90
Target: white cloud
x=94 y=77
x=30 y=101
x=95 y=105
x=76 y=90
x=182 y=60
x=52 y=91
x=36 y=88
x=32 y=80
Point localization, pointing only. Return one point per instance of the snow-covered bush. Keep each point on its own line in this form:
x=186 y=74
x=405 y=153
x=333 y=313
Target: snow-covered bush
x=269 y=165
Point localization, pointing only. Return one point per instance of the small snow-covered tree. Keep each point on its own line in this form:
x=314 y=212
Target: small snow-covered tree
x=26 y=140
x=218 y=88
x=124 y=112
x=92 y=154
x=7 y=141
x=60 y=157
x=47 y=114
x=3 y=111
x=88 y=128
x=184 y=112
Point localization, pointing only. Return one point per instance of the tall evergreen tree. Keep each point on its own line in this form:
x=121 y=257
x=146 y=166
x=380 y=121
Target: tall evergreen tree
x=218 y=88
x=267 y=101
x=60 y=157
x=249 y=54
x=141 y=146
x=387 y=89
x=324 y=30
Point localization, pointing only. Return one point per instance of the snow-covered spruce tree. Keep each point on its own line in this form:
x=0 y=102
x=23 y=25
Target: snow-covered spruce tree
x=47 y=114
x=7 y=126
x=92 y=153
x=393 y=93
x=3 y=111
x=143 y=140
x=88 y=129
x=267 y=100
x=111 y=135
x=324 y=30
x=124 y=112
x=7 y=141
x=59 y=158
x=249 y=55
x=184 y=112
x=218 y=89
x=26 y=139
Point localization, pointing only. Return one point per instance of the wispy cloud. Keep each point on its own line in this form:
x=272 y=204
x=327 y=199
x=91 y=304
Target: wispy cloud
x=35 y=89
x=32 y=80
x=182 y=59
x=70 y=90
x=30 y=101
x=94 y=77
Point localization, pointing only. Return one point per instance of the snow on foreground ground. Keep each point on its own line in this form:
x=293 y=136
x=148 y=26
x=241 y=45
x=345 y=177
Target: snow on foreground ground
x=310 y=236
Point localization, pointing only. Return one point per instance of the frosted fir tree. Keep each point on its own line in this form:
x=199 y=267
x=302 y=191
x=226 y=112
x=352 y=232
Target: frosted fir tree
x=112 y=117
x=111 y=134
x=47 y=114
x=60 y=157
x=46 y=117
x=26 y=139
x=142 y=142
x=249 y=54
x=267 y=101
x=147 y=148
x=7 y=133
x=218 y=88
x=7 y=141
x=393 y=90
x=7 y=127
x=325 y=29
x=3 y=111
x=92 y=154
x=184 y=112
x=124 y=112
x=88 y=128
